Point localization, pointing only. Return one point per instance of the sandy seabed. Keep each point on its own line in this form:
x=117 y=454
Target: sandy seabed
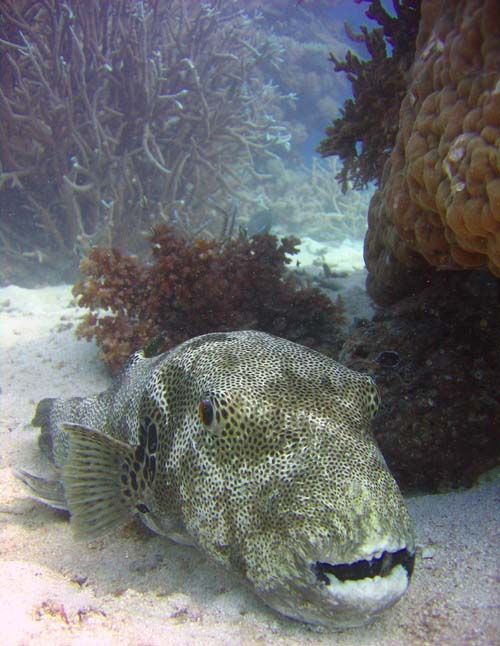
x=137 y=588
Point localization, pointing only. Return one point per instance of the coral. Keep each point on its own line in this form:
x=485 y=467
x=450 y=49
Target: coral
x=364 y=134
x=312 y=200
x=117 y=115
x=344 y=211
x=435 y=358
x=199 y=286
x=305 y=32
x=439 y=202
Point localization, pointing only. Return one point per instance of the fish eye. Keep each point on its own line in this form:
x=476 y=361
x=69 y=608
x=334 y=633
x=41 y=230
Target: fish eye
x=206 y=412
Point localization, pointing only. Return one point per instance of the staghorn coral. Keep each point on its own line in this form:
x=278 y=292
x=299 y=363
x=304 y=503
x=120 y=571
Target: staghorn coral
x=196 y=287
x=312 y=200
x=440 y=194
x=364 y=134
x=305 y=32
x=114 y=115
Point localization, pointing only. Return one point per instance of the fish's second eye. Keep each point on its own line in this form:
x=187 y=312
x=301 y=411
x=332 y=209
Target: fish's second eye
x=206 y=412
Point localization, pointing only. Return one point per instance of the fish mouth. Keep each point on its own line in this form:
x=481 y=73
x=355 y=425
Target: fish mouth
x=366 y=568
x=345 y=595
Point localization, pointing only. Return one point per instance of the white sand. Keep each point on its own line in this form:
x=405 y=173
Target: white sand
x=347 y=256
x=137 y=588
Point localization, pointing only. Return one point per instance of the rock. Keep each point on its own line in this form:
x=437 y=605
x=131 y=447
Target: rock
x=438 y=426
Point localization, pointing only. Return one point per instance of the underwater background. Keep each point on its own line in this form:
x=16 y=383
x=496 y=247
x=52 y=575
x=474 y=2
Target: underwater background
x=325 y=171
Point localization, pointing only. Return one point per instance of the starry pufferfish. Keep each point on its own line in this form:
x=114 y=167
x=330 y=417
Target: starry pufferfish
x=254 y=449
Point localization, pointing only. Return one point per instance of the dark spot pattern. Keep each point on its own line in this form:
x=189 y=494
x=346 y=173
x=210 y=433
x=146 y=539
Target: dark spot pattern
x=152 y=439
x=139 y=468
x=133 y=480
x=152 y=467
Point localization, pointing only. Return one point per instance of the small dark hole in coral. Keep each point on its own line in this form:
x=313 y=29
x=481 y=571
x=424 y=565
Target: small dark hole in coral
x=388 y=359
x=361 y=352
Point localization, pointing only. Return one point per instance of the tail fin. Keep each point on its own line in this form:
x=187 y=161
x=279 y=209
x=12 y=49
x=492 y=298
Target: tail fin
x=52 y=414
x=42 y=419
x=50 y=492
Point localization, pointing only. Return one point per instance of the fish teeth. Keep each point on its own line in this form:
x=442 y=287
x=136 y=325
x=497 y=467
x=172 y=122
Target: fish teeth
x=370 y=593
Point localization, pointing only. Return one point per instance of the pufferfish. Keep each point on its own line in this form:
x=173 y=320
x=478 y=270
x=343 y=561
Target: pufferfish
x=252 y=448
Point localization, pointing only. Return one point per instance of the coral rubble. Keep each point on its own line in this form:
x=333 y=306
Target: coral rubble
x=364 y=134
x=435 y=358
x=199 y=286
x=115 y=115
x=439 y=200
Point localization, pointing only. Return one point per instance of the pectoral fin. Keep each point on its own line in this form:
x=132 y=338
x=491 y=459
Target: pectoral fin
x=103 y=482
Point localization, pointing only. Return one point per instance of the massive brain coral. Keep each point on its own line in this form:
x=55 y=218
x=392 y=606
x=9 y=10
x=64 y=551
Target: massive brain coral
x=440 y=192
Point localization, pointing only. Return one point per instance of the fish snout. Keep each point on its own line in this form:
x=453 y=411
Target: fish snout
x=343 y=579
x=355 y=588
x=356 y=593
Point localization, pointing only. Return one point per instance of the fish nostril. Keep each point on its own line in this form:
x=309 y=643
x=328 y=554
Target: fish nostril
x=377 y=566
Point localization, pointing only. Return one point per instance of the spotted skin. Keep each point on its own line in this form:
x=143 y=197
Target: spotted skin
x=259 y=452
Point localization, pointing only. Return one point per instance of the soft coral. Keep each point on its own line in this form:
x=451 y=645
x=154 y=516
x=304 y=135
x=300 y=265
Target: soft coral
x=194 y=287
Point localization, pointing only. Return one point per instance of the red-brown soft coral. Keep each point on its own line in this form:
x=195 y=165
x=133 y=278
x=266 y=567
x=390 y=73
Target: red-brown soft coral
x=196 y=287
